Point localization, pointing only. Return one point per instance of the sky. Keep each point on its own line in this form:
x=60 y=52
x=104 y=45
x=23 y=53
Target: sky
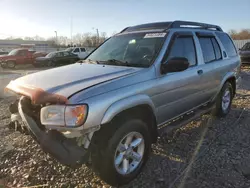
x=19 y=18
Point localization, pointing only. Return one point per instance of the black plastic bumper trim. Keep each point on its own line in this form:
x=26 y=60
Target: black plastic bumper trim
x=53 y=142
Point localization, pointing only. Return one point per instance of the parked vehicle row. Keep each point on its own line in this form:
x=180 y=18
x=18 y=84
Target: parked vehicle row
x=81 y=52
x=19 y=56
x=108 y=109
x=245 y=53
x=56 y=58
x=22 y=56
x=2 y=52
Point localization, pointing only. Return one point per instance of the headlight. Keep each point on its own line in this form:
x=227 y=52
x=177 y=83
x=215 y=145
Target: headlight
x=60 y=115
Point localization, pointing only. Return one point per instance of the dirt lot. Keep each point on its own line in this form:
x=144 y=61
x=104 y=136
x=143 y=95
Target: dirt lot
x=205 y=153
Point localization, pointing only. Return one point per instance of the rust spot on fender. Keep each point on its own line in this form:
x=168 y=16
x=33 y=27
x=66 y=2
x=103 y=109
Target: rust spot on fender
x=37 y=95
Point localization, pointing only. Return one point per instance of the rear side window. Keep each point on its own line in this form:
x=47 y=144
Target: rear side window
x=228 y=44
x=83 y=50
x=207 y=49
x=183 y=47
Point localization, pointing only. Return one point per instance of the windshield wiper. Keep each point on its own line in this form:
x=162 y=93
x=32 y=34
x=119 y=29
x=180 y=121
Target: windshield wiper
x=117 y=62
x=90 y=61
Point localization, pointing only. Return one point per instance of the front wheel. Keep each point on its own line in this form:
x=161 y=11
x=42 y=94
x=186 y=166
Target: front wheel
x=121 y=157
x=224 y=100
x=11 y=64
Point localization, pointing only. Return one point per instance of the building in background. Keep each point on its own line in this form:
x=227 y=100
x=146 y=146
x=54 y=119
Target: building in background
x=8 y=45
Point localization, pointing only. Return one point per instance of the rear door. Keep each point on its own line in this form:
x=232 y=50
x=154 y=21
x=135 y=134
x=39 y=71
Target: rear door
x=83 y=53
x=179 y=92
x=217 y=62
x=67 y=58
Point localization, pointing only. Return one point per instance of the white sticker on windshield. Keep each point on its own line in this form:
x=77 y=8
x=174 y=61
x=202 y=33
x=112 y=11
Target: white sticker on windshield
x=154 y=35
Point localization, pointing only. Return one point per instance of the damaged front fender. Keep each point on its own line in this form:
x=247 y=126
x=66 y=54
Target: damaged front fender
x=37 y=95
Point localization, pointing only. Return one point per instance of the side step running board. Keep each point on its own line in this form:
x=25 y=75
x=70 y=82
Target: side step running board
x=185 y=119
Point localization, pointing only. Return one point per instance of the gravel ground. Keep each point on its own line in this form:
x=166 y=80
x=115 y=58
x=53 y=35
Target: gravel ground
x=208 y=152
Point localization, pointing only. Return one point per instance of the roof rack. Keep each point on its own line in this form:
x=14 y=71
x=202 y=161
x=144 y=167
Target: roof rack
x=174 y=24
x=198 y=25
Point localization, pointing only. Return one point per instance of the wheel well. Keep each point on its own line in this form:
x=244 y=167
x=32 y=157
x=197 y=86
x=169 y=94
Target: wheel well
x=232 y=81
x=145 y=113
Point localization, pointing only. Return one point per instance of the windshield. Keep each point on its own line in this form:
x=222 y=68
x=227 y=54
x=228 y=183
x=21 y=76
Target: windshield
x=246 y=46
x=69 y=49
x=136 y=49
x=52 y=54
x=13 y=52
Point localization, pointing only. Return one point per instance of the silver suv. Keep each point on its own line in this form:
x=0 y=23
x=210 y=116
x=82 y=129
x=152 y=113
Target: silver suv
x=107 y=108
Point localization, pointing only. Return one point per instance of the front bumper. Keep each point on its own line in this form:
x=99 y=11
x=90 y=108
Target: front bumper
x=65 y=150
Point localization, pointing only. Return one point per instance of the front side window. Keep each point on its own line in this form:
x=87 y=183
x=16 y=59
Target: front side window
x=83 y=50
x=227 y=43
x=51 y=54
x=76 y=50
x=183 y=47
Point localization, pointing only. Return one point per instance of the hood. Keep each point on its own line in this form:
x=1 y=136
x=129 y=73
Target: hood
x=5 y=56
x=67 y=80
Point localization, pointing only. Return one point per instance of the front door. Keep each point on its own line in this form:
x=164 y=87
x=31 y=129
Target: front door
x=179 y=92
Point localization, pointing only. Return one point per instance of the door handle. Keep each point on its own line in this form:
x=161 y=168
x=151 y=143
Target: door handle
x=200 y=72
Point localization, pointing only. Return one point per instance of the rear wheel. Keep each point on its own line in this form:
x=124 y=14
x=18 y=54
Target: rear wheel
x=120 y=156
x=11 y=64
x=224 y=100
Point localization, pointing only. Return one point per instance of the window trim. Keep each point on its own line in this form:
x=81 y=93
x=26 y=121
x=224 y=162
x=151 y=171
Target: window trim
x=214 y=48
x=178 y=34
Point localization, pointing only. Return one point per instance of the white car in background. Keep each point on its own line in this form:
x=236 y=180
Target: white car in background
x=80 y=51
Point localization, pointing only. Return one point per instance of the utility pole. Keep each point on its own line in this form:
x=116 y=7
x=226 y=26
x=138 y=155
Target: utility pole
x=56 y=40
x=71 y=30
x=97 y=36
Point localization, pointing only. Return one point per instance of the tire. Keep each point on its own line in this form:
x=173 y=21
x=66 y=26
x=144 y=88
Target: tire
x=3 y=65
x=36 y=65
x=11 y=64
x=106 y=151
x=223 y=103
x=51 y=64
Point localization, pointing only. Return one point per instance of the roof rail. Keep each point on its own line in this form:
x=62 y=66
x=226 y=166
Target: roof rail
x=180 y=24
x=168 y=25
x=124 y=30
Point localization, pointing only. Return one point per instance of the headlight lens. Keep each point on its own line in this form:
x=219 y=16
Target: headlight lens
x=60 y=115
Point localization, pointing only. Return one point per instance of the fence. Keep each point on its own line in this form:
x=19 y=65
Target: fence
x=240 y=43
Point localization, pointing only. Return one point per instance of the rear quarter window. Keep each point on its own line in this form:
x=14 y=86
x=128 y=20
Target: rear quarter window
x=228 y=44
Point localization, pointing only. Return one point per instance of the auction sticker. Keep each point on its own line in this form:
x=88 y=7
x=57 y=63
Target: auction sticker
x=154 y=35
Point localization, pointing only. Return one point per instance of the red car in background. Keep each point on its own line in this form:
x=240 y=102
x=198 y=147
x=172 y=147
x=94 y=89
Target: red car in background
x=18 y=57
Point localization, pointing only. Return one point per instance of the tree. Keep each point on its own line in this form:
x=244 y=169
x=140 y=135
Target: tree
x=241 y=35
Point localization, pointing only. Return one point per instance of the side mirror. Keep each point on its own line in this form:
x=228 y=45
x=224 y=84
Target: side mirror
x=176 y=64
